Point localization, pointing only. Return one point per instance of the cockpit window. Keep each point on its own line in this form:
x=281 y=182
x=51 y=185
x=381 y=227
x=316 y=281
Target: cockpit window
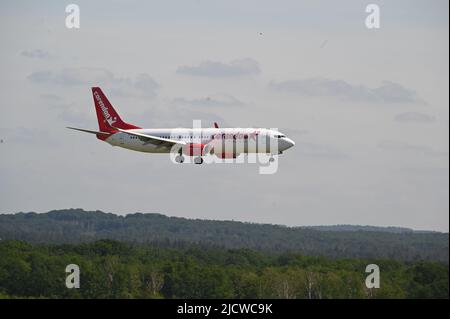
x=280 y=136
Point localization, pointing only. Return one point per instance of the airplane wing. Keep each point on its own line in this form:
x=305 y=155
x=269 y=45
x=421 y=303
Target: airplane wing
x=150 y=139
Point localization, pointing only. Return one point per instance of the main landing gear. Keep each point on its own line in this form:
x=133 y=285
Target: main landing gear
x=180 y=159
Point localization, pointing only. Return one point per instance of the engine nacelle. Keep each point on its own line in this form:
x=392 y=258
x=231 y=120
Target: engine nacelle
x=226 y=155
x=194 y=149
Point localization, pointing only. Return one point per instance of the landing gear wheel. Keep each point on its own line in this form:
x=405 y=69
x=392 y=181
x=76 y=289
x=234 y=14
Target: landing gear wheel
x=198 y=160
x=179 y=159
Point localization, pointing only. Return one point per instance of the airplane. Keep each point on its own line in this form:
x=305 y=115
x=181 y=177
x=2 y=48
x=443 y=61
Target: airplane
x=196 y=142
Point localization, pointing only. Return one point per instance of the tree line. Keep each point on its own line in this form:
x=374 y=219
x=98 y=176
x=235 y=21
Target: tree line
x=78 y=226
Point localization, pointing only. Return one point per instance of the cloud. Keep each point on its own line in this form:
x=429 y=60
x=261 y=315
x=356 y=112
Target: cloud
x=144 y=82
x=75 y=76
x=181 y=117
x=36 y=54
x=29 y=137
x=65 y=111
x=319 y=151
x=142 y=85
x=50 y=97
x=240 y=67
x=294 y=132
x=215 y=100
x=414 y=117
x=399 y=146
x=387 y=92
x=74 y=117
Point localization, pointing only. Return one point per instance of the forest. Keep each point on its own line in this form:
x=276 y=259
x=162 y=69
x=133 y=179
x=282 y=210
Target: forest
x=73 y=226
x=155 y=256
x=112 y=269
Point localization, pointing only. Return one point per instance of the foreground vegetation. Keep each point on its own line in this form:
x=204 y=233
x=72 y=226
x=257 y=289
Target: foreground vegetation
x=111 y=269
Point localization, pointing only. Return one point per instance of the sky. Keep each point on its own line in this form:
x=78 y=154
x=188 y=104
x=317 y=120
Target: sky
x=367 y=108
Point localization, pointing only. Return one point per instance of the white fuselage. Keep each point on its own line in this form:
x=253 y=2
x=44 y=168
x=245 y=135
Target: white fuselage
x=196 y=142
x=222 y=140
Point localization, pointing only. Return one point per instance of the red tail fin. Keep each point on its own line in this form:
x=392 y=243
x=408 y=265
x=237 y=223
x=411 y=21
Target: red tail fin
x=106 y=114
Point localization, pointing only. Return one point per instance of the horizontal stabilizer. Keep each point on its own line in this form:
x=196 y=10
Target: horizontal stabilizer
x=89 y=131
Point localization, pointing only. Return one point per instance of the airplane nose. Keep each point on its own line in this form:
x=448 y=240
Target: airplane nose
x=289 y=142
x=285 y=143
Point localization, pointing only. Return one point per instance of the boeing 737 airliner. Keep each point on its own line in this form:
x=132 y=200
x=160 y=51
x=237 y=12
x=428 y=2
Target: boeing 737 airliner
x=196 y=142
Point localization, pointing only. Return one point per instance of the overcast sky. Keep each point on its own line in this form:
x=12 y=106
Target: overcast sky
x=367 y=108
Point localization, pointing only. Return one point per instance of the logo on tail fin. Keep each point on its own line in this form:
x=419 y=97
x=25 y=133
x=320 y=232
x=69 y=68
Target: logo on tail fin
x=108 y=118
